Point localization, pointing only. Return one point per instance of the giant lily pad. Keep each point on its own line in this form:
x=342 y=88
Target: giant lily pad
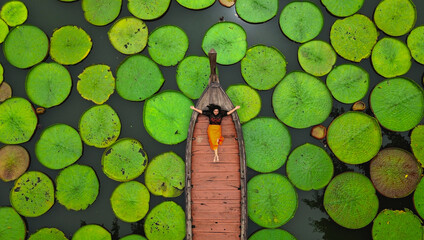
x=247 y=98
x=301 y=21
x=101 y=12
x=419 y=198
x=263 y=67
x=168 y=45
x=267 y=142
x=196 y=4
x=138 y=78
x=395 y=17
x=391 y=57
x=229 y=41
x=343 y=8
x=92 y=232
x=48 y=234
x=256 y=11
x=59 y=146
x=14 y=13
x=48 y=84
x=350 y=200
x=5 y=91
x=165 y=221
x=125 y=160
x=271 y=200
x=395 y=172
x=148 y=10
x=193 y=76
x=22 y=38
x=128 y=35
x=165 y=175
x=17 y=121
x=4 y=30
x=354 y=137
x=100 y=126
x=396 y=224
x=398 y=104
x=33 y=194
x=14 y=161
x=417 y=143
x=70 y=45
x=272 y=234
x=133 y=237
x=96 y=83
x=130 y=201
x=316 y=57
x=12 y=227
x=415 y=43
x=166 y=116
x=353 y=37
x=301 y=100
x=309 y=167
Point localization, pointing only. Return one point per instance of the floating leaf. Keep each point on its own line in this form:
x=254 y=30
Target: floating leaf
x=4 y=30
x=415 y=43
x=92 y=232
x=133 y=237
x=165 y=221
x=193 y=76
x=48 y=234
x=395 y=17
x=417 y=143
x=130 y=201
x=14 y=161
x=227 y=3
x=196 y=4
x=391 y=57
x=396 y=224
x=1 y=74
x=256 y=11
x=14 y=13
x=343 y=8
x=96 y=83
x=70 y=45
x=5 y=91
x=148 y=10
x=248 y=100
x=272 y=234
x=316 y=57
x=12 y=227
x=419 y=198
x=128 y=35
x=101 y=12
x=319 y=132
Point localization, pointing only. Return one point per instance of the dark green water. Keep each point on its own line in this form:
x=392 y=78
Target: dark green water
x=310 y=222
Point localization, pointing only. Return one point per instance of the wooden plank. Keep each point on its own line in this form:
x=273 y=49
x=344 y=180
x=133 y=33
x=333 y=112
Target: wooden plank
x=215 y=176
x=216 y=184
x=216 y=201
x=214 y=167
x=221 y=149
x=216 y=227
x=215 y=236
x=216 y=215
x=223 y=158
x=215 y=194
x=216 y=207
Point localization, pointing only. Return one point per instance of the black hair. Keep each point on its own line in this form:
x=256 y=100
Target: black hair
x=212 y=107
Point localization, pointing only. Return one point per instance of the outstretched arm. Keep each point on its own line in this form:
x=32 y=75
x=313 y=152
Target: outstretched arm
x=197 y=110
x=232 y=110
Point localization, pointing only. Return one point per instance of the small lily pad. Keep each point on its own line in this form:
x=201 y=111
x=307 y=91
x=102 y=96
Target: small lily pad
x=17 y=121
x=130 y=201
x=415 y=43
x=247 y=98
x=267 y=142
x=133 y=237
x=100 y=126
x=319 y=132
x=48 y=84
x=92 y=232
x=398 y=104
x=301 y=21
x=359 y=106
x=229 y=41
x=4 y=30
x=343 y=8
x=125 y=160
x=395 y=17
x=33 y=194
x=165 y=221
x=256 y=11
x=193 y=76
x=263 y=67
x=12 y=227
x=167 y=45
x=301 y=100
x=196 y=4
x=48 y=234
x=96 y=83
x=309 y=167
x=166 y=116
x=148 y=10
x=350 y=200
x=272 y=234
x=417 y=143
x=316 y=57
x=128 y=35
x=165 y=175
x=391 y=57
x=5 y=91
x=397 y=224
x=14 y=13
x=101 y=12
x=14 y=161
x=70 y=45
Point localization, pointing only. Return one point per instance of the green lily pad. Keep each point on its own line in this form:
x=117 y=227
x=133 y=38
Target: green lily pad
x=70 y=45
x=272 y=234
x=348 y=83
x=22 y=38
x=165 y=221
x=166 y=116
x=391 y=57
x=267 y=142
x=101 y=12
x=395 y=172
x=301 y=100
x=196 y=4
x=17 y=121
x=353 y=37
x=14 y=13
x=1 y=74
x=419 y=198
x=12 y=227
x=92 y=232
x=48 y=234
x=271 y=200
x=229 y=41
x=193 y=76
x=48 y=84
x=59 y=146
x=343 y=8
x=398 y=104
x=256 y=11
x=33 y=194
x=417 y=143
x=165 y=175
x=130 y=201
x=415 y=43
x=100 y=126
x=354 y=137
x=316 y=57
x=4 y=31
x=263 y=67
x=125 y=160
x=309 y=167
x=247 y=98
x=395 y=17
x=14 y=161
x=301 y=21
x=133 y=237
x=148 y=10
x=396 y=224
x=168 y=45
x=350 y=200
x=96 y=83
x=128 y=35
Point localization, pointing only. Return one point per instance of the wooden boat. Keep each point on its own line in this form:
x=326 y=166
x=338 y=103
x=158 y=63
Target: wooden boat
x=215 y=192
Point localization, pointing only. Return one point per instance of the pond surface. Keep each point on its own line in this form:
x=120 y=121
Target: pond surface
x=310 y=222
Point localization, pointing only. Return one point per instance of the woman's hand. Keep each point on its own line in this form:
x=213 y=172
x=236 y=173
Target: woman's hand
x=237 y=107
x=192 y=107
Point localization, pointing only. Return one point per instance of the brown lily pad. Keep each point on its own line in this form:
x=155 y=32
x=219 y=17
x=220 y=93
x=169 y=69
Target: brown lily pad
x=227 y=3
x=14 y=161
x=5 y=91
x=359 y=106
x=319 y=132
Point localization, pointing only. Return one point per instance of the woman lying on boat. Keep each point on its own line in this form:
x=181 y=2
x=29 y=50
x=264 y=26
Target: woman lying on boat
x=215 y=114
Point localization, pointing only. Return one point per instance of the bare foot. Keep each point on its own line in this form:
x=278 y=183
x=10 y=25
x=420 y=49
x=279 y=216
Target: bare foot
x=217 y=158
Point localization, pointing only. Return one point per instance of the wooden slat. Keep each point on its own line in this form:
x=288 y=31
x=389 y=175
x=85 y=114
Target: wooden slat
x=216 y=207
x=216 y=215
x=221 y=149
x=223 y=158
x=202 y=176
x=217 y=201
x=214 y=236
x=214 y=167
x=215 y=194
x=216 y=184
x=217 y=227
